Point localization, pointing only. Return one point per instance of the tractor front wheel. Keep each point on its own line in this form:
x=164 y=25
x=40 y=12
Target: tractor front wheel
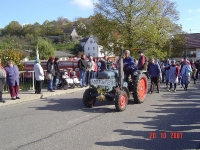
x=88 y=99
x=121 y=101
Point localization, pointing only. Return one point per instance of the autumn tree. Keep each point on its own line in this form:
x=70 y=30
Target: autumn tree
x=11 y=51
x=144 y=24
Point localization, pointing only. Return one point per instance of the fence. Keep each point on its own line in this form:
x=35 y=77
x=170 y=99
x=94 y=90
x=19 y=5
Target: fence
x=27 y=80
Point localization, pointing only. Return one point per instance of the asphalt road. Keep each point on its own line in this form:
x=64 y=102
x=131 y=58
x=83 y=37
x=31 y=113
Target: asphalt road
x=164 y=121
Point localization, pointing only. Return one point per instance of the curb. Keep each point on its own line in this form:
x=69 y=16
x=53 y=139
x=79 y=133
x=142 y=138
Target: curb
x=33 y=96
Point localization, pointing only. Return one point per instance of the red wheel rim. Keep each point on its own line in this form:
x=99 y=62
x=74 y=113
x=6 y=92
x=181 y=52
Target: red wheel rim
x=122 y=100
x=142 y=88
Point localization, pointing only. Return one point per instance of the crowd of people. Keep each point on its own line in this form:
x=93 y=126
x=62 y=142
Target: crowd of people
x=10 y=75
x=171 y=72
x=89 y=69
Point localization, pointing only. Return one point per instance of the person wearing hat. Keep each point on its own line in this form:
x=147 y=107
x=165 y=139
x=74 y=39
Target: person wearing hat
x=128 y=65
x=50 y=73
x=2 y=81
x=173 y=75
x=142 y=62
x=154 y=73
x=57 y=74
x=39 y=76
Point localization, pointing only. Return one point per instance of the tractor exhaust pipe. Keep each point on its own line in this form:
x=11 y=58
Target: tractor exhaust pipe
x=121 y=73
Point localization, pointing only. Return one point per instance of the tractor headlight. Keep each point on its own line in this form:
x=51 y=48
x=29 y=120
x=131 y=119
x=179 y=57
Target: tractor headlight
x=135 y=73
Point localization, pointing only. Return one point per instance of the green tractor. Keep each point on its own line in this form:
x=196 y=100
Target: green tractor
x=110 y=85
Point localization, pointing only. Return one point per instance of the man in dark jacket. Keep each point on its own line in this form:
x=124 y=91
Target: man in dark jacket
x=57 y=74
x=50 y=74
x=104 y=64
x=142 y=62
x=82 y=70
x=128 y=65
x=154 y=73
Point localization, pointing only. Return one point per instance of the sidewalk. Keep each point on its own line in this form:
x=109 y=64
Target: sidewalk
x=30 y=95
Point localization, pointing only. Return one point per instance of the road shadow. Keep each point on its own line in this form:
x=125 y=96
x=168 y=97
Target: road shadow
x=178 y=118
x=76 y=104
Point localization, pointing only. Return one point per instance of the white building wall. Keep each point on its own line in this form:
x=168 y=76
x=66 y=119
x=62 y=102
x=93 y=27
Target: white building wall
x=92 y=48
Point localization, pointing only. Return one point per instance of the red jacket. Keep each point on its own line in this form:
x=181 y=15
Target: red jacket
x=95 y=67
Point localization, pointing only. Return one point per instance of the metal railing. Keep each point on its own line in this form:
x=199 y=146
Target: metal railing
x=27 y=81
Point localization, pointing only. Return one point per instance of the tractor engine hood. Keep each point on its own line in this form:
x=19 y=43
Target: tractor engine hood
x=108 y=74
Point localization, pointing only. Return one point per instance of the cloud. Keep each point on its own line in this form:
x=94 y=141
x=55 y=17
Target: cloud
x=191 y=11
x=188 y=19
x=83 y=3
x=194 y=10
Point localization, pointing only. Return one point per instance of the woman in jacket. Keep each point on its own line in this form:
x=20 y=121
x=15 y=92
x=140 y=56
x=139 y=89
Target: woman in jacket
x=90 y=69
x=2 y=81
x=185 y=72
x=57 y=74
x=173 y=75
x=50 y=74
x=12 y=79
x=39 y=76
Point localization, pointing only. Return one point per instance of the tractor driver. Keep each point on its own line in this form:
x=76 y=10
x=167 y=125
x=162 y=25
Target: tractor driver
x=128 y=65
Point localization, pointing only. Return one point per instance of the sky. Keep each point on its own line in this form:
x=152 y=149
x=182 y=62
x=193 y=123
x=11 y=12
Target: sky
x=31 y=11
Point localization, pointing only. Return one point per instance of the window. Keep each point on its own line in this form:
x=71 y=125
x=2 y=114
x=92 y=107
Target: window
x=91 y=41
x=93 y=48
x=93 y=54
x=88 y=48
x=88 y=54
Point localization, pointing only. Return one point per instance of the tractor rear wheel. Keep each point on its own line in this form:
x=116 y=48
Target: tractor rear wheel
x=88 y=99
x=140 y=87
x=121 y=101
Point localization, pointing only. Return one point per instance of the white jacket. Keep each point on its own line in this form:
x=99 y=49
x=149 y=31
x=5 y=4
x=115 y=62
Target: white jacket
x=39 y=72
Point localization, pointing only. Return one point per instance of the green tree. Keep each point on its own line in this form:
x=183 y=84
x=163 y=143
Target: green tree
x=142 y=24
x=83 y=26
x=46 y=28
x=27 y=29
x=45 y=49
x=13 y=28
x=36 y=29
